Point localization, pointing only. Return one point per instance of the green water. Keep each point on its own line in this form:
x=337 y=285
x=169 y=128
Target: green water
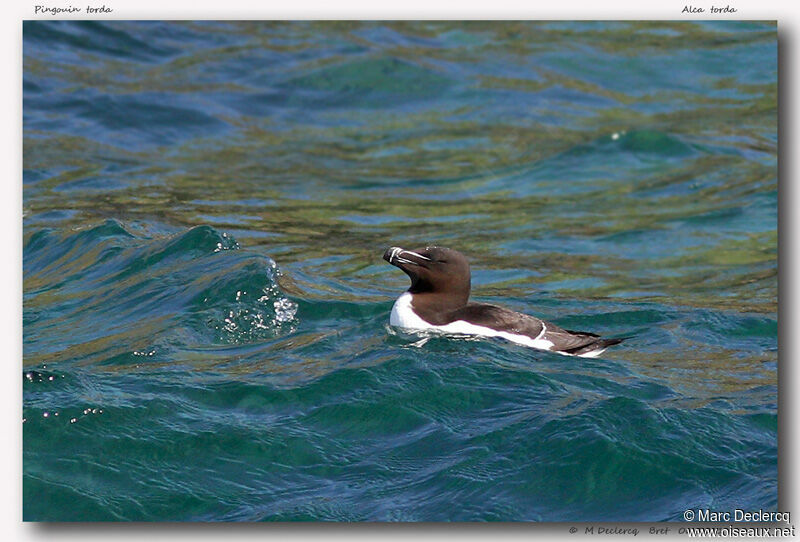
x=206 y=308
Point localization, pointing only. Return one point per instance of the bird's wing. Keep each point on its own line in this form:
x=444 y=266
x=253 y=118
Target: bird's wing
x=502 y=319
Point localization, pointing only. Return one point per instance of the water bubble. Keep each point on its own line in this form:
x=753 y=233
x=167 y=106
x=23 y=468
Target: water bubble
x=285 y=310
x=143 y=353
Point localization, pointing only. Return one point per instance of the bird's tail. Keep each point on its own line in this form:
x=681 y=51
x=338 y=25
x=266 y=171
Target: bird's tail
x=594 y=348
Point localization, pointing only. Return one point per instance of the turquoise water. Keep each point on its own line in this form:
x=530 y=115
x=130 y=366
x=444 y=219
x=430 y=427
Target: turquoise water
x=206 y=205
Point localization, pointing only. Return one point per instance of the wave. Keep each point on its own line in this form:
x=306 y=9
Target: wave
x=105 y=295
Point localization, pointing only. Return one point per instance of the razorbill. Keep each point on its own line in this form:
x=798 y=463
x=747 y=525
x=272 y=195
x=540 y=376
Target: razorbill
x=438 y=300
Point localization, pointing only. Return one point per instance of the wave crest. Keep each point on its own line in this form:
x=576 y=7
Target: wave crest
x=194 y=290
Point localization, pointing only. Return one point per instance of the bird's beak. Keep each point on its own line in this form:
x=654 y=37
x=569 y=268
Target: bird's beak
x=400 y=257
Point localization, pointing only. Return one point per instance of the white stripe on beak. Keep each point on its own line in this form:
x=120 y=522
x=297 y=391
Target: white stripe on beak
x=396 y=255
x=420 y=256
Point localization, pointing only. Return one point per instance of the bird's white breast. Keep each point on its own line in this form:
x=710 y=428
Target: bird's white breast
x=404 y=316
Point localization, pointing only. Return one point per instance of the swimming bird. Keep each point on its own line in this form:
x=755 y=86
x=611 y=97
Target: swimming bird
x=438 y=300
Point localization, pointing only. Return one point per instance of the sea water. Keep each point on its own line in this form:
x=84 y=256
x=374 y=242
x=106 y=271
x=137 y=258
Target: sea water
x=206 y=205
